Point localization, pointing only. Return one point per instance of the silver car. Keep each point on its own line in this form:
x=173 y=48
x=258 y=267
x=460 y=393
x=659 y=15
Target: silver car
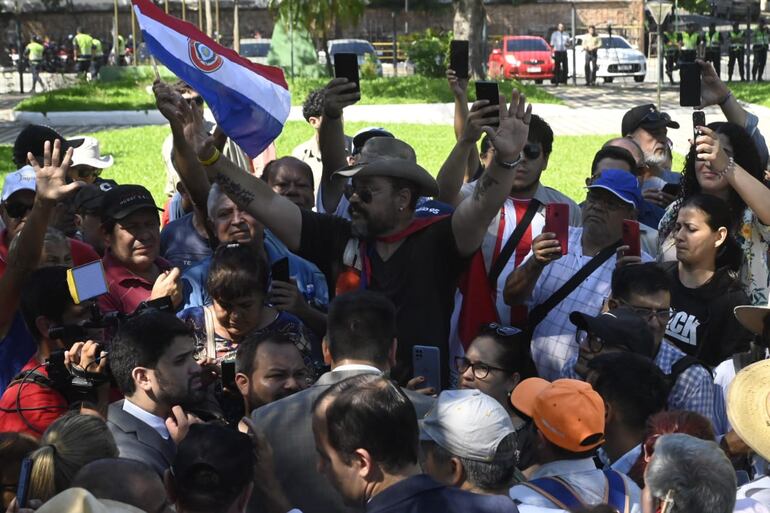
x=615 y=58
x=255 y=50
x=360 y=47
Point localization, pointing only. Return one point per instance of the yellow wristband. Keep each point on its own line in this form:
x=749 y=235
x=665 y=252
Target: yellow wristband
x=212 y=159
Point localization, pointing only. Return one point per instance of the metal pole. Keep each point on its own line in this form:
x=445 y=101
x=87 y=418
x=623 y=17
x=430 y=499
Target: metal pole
x=291 y=38
x=19 y=49
x=165 y=5
x=216 y=18
x=115 y=33
x=395 y=45
x=184 y=10
x=209 y=19
x=574 y=50
x=200 y=15
x=406 y=16
x=236 y=28
x=660 y=60
x=135 y=49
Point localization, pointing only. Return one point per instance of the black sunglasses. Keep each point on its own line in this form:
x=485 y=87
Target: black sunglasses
x=365 y=195
x=531 y=151
x=17 y=210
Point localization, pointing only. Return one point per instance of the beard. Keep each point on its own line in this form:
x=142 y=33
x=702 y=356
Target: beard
x=364 y=227
x=656 y=161
x=183 y=394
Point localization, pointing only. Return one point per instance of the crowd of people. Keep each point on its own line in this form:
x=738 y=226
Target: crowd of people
x=339 y=331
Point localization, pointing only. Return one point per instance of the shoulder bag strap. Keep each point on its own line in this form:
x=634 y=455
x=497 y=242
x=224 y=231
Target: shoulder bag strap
x=211 y=345
x=557 y=491
x=513 y=241
x=542 y=310
x=617 y=495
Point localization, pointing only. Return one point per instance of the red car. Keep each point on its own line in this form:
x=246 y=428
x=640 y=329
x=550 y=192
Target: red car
x=521 y=57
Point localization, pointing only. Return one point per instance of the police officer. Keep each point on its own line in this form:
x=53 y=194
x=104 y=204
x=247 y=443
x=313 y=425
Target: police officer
x=690 y=42
x=713 y=39
x=737 y=42
x=759 y=41
x=97 y=56
x=83 y=48
x=34 y=53
x=672 y=41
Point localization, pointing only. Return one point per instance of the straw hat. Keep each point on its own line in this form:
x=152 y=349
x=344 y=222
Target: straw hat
x=752 y=317
x=748 y=406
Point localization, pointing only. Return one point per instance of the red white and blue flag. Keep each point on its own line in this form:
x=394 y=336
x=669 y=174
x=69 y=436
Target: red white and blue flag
x=249 y=101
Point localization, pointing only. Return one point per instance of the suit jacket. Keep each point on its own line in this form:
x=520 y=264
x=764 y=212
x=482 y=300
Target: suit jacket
x=288 y=426
x=421 y=493
x=138 y=441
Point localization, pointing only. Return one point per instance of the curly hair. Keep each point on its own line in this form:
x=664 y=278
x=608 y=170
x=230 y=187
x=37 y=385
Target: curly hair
x=313 y=106
x=745 y=154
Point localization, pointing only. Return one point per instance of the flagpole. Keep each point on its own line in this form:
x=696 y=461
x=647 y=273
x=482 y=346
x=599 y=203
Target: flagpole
x=216 y=16
x=115 y=32
x=135 y=49
x=236 y=28
x=209 y=20
x=200 y=15
x=165 y=4
x=184 y=10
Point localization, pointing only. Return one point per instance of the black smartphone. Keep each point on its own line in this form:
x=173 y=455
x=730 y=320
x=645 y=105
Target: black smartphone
x=346 y=65
x=689 y=84
x=22 y=490
x=228 y=373
x=672 y=188
x=280 y=270
x=487 y=90
x=698 y=119
x=458 y=58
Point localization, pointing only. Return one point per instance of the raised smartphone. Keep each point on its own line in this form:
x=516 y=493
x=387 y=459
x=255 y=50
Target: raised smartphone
x=458 y=58
x=689 y=84
x=631 y=237
x=487 y=90
x=346 y=65
x=557 y=221
x=426 y=361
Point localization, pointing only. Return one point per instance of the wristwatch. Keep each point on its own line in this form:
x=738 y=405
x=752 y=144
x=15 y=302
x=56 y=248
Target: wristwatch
x=510 y=165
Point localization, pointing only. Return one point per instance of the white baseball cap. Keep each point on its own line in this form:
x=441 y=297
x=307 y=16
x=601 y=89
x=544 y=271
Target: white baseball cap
x=467 y=423
x=20 y=180
x=87 y=154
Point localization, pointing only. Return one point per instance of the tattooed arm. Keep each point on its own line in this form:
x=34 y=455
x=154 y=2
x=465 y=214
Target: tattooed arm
x=279 y=215
x=472 y=217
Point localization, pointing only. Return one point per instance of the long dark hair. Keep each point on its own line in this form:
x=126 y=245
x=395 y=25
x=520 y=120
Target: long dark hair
x=729 y=254
x=745 y=154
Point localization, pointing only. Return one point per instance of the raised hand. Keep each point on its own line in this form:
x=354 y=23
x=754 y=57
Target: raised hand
x=185 y=118
x=708 y=148
x=546 y=248
x=458 y=86
x=51 y=178
x=168 y=284
x=511 y=136
x=338 y=94
x=474 y=124
x=712 y=89
x=178 y=423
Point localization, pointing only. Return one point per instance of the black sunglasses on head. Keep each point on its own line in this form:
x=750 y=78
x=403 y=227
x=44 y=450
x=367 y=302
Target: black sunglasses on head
x=17 y=210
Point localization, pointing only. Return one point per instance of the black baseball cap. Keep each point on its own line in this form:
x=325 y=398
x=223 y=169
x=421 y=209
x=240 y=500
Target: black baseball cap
x=89 y=198
x=32 y=140
x=365 y=134
x=647 y=117
x=124 y=200
x=620 y=327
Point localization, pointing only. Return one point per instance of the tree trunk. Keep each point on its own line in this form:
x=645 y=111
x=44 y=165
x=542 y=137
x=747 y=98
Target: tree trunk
x=469 y=25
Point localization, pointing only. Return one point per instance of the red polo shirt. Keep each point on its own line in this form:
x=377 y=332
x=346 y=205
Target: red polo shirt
x=126 y=290
x=82 y=253
x=41 y=405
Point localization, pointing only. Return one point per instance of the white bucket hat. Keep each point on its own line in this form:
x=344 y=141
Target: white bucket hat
x=87 y=154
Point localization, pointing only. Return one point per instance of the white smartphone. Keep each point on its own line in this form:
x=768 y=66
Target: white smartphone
x=426 y=361
x=86 y=281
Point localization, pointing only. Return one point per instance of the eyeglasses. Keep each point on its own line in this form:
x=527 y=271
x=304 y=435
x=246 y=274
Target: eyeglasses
x=364 y=193
x=662 y=315
x=87 y=171
x=531 y=151
x=591 y=342
x=17 y=210
x=480 y=370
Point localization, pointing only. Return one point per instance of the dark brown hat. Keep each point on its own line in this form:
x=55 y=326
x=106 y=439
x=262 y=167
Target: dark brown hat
x=396 y=168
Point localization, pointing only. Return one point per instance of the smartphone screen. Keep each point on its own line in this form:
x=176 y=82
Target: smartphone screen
x=228 y=373
x=426 y=361
x=689 y=85
x=486 y=90
x=86 y=281
x=458 y=58
x=346 y=65
x=280 y=270
x=698 y=119
x=631 y=237
x=557 y=221
x=22 y=490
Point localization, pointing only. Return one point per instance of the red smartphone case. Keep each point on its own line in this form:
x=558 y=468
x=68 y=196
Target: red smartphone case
x=557 y=221
x=631 y=237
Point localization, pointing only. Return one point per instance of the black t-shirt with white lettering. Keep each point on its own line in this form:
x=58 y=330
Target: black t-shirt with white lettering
x=703 y=324
x=420 y=278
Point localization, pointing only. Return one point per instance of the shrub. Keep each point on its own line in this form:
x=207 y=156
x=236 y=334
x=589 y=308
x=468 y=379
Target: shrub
x=369 y=67
x=428 y=52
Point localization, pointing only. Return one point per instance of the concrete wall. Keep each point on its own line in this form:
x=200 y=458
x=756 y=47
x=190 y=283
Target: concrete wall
x=377 y=24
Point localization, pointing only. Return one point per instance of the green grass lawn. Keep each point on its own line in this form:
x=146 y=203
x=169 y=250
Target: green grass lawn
x=752 y=92
x=133 y=95
x=137 y=153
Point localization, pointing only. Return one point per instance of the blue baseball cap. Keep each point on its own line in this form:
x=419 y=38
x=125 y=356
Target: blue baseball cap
x=622 y=184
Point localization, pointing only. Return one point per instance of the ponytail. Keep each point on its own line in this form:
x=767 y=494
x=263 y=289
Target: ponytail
x=42 y=484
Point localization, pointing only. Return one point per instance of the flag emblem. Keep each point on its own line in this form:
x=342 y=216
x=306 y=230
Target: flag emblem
x=203 y=57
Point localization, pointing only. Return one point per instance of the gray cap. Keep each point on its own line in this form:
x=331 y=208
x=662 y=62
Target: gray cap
x=467 y=423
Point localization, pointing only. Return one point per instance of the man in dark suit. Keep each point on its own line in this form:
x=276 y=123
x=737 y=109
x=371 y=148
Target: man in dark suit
x=366 y=435
x=361 y=339
x=152 y=361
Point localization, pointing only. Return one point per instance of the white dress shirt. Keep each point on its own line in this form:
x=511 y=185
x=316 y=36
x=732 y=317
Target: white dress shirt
x=155 y=422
